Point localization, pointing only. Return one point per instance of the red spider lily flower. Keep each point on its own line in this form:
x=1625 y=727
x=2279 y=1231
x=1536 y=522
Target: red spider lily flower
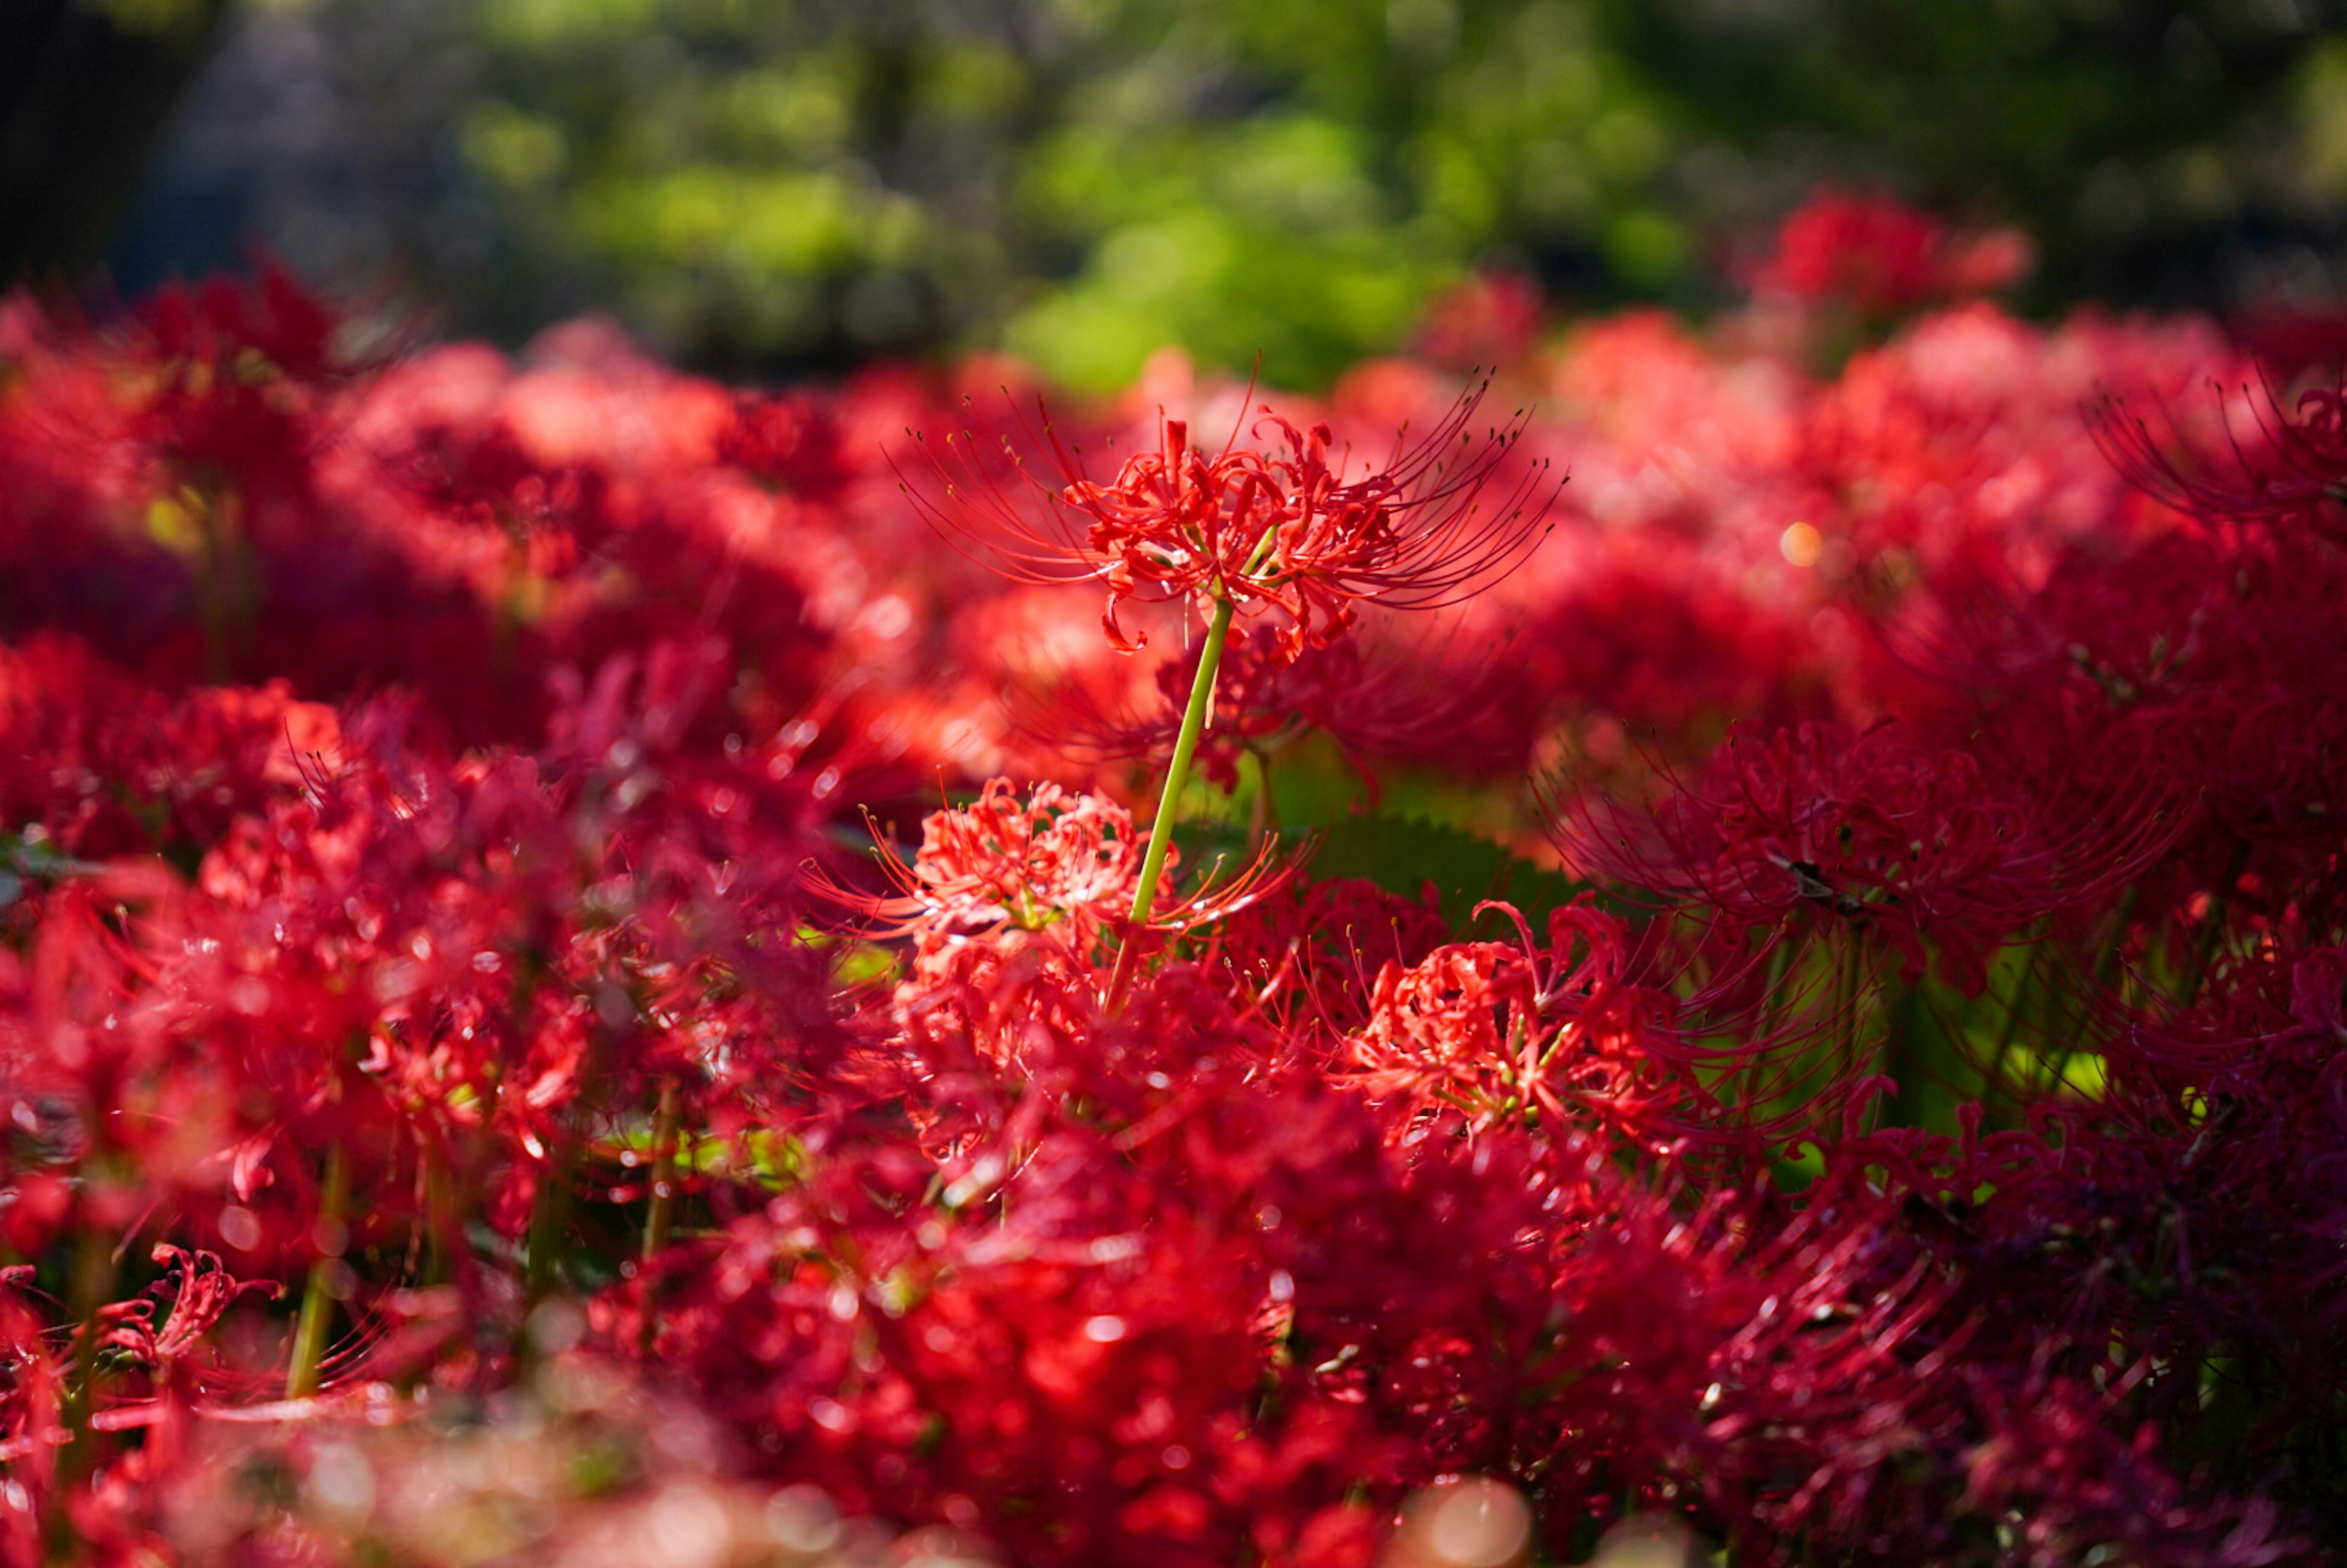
x=1006 y=868
x=1500 y=1030
x=1005 y=865
x=236 y=378
x=1494 y=318
x=1882 y=257
x=1286 y=527
x=2290 y=471
x=791 y=442
x=190 y=1298
x=1308 y=959
x=1878 y=829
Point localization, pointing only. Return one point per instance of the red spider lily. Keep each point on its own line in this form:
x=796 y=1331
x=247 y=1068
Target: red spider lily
x=190 y=1297
x=233 y=372
x=1875 y=830
x=1881 y=256
x=1526 y=1032
x=1284 y=528
x=1307 y=956
x=1339 y=1202
x=792 y=443
x=2194 y=669
x=107 y=765
x=1494 y=318
x=2291 y=471
x=1100 y=1334
x=1005 y=867
x=1027 y=864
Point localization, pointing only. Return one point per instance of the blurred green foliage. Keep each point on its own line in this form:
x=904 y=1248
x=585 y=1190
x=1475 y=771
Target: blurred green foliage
x=767 y=186
x=1087 y=180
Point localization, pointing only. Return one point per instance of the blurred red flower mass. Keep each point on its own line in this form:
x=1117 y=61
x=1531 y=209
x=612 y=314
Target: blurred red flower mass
x=473 y=1090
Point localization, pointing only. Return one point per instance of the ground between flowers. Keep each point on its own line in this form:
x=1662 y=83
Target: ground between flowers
x=575 y=983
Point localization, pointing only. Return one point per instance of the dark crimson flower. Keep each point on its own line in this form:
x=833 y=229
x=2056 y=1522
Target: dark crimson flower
x=235 y=377
x=1308 y=956
x=792 y=442
x=1878 y=830
x=2289 y=469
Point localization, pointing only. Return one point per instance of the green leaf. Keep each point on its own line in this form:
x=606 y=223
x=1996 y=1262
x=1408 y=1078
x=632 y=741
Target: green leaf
x=1402 y=855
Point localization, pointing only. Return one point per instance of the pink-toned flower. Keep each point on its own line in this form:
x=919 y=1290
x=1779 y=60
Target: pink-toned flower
x=1881 y=256
x=1006 y=868
x=1004 y=863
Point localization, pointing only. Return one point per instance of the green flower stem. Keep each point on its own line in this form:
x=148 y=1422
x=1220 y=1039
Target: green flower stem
x=1851 y=987
x=90 y=1286
x=666 y=1124
x=317 y=1296
x=1751 y=1074
x=442 y=1234
x=1177 y=774
x=2016 y=1001
x=2213 y=923
x=2105 y=970
x=550 y=1217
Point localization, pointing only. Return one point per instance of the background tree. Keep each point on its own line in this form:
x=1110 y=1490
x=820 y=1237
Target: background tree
x=769 y=188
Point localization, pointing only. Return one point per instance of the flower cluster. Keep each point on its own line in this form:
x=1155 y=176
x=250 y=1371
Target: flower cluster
x=470 y=1090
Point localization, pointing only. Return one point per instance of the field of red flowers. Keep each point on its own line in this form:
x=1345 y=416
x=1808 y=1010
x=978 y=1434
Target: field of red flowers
x=1683 y=947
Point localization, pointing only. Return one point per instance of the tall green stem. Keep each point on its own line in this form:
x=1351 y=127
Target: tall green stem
x=667 y=1123
x=89 y=1286
x=1852 y=959
x=1177 y=774
x=317 y=1312
x=549 y=1217
x=2105 y=971
x=1993 y=1079
x=2213 y=923
x=1751 y=1074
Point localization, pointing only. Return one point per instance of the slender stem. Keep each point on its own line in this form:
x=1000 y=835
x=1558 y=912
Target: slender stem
x=1263 y=819
x=549 y=1217
x=442 y=1233
x=1849 y=987
x=666 y=1122
x=2105 y=971
x=317 y=1295
x=90 y=1286
x=1177 y=774
x=1750 y=1073
x=2212 y=924
x=1992 y=1080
